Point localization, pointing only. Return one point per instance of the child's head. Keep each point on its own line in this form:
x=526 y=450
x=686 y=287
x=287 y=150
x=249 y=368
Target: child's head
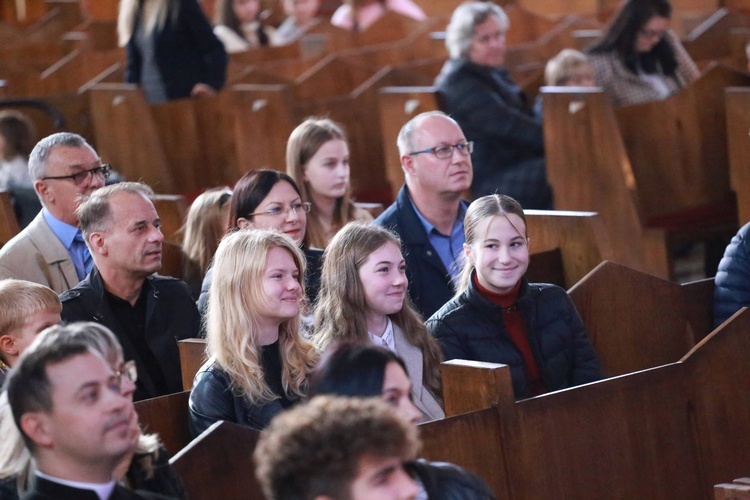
x=569 y=68
x=16 y=135
x=26 y=309
x=497 y=245
x=303 y=11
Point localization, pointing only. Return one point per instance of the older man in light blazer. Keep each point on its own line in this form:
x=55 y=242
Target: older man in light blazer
x=50 y=250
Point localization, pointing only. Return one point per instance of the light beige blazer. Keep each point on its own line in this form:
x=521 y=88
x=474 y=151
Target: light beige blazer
x=36 y=254
x=412 y=356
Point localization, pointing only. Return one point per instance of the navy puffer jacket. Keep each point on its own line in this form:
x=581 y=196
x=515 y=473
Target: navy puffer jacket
x=471 y=327
x=732 y=290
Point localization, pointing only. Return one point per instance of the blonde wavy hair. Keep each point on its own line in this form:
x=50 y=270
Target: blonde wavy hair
x=153 y=16
x=205 y=225
x=340 y=311
x=303 y=143
x=232 y=319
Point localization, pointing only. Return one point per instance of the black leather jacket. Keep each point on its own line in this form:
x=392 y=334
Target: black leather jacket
x=444 y=481
x=471 y=327
x=170 y=315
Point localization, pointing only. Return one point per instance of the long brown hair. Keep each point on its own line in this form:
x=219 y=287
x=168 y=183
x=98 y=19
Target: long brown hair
x=339 y=314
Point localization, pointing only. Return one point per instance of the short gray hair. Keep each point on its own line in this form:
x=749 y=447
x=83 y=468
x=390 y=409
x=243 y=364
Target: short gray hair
x=40 y=154
x=95 y=213
x=464 y=20
x=406 y=134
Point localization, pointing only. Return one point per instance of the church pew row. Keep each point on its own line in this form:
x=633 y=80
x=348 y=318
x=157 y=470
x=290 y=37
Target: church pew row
x=648 y=193
x=672 y=431
x=8 y=222
x=738 y=126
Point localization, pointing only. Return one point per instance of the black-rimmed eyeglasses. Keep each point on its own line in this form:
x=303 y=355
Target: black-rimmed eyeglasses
x=84 y=175
x=275 y=211
x=446 y=151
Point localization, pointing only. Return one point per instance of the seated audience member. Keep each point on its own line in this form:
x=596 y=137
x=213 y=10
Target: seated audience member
x=317 y=158
x=26 y=309
x=171 y=51
x=258 y=363
x=366 y=371
x=337 y=449
x=358 y=15
x=732 y=282
x=569 y=68
x=146 y=469
x=238 y=25
x=428 y=214
x=51 y=250
x=75 y=418
x=493 y=112
x=206 y=224
x=363 y=298
x=639 y=59
x=301 y=16
x=16 y=143
x=500 y=317
x=270 y=199
x=147 y=312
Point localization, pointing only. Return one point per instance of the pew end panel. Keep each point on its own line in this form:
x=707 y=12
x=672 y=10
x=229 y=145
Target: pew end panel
x=634 y=320
x=192 y=357
x=474 y=385
x=698 y=297
x=8 y=222
x=166 y=416
x=219 y=463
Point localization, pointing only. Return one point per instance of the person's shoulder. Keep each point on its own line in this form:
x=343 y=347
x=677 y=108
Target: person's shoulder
x=18 y=247
x=170 y=284
x=389 y=217
x=78 y=292
x=449 y=481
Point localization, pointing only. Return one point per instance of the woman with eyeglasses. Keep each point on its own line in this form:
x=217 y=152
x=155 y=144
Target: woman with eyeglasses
x=206 y=224
x=639 y=59
x=479 y=93
x=258 y=363
x=269 y=199
x=317 y=158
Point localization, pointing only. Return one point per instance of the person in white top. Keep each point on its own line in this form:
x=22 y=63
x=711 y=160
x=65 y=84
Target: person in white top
x=358 y=15
x=16 y=143
x=363 y=297
x=239 y=26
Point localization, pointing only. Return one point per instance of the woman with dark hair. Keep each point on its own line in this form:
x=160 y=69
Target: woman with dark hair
x=362 y=370
x=237 y=23
x=270 y=199
x=640 y=59
x=499 y=317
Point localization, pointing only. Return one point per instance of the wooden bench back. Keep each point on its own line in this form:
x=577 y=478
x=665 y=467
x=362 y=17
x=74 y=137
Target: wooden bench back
x=738 y=125
x=8 y=222
x=166 y=416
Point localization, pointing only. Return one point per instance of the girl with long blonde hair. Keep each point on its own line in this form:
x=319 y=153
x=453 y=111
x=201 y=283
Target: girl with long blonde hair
x=363 y=298
x=258 y=363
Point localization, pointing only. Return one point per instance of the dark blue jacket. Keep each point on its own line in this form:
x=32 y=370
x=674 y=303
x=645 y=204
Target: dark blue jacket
x=187 y=51
x=732 y=290
x=471 y=327
x=430 y=284
x=508 y=139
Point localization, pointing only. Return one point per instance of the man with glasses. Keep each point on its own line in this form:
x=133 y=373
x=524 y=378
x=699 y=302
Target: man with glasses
x=146 y=312
x=75 y=416
x=51 y=251
x=428 y=213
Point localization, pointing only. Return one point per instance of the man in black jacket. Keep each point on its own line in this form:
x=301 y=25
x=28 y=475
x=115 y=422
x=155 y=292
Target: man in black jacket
x=147 y=312
x=428 y=213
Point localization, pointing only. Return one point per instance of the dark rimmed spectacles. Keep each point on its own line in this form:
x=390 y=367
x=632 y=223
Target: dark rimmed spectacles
x=84 y=175
x=444 y=152
x=275 y=211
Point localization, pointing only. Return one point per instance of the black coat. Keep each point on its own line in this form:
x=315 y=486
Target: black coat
x=186 y=50
x=508 y=138
x=444 y=481
x=170 y=315
x=732 y=290
x=430 y=284
x=471 y=327
x=42 y=489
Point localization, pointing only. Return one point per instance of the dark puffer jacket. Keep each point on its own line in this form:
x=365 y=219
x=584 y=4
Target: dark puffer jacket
x=732 y=290
x=471 y=327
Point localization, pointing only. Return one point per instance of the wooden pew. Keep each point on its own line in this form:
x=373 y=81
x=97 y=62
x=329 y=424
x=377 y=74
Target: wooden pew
x=634 y=321
x=8 y=222
x=738 y=126
x=647 y=194
x=192 y=357
x=168 y=417
x=172 y=210
x=712 y=39
x=698 y=297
